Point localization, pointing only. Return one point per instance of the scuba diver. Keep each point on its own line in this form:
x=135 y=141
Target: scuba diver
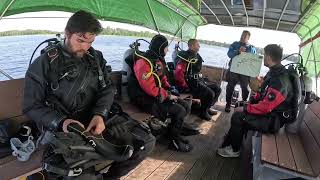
x=188 y=78
x=149 y=89
x=232 y=78
x=269 y=109
x=69 y=85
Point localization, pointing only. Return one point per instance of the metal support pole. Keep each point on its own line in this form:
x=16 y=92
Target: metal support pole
x=6 y=9
x=211 y=11
x=6 y=74
x=264 y=12
x=225 y=6
x=283 y=10
x=308 y=8
x=154 y=20
x=245 y=10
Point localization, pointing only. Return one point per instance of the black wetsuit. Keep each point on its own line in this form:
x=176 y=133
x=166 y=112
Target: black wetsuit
x=61 y=86
x=187 y=77
x=273 y=106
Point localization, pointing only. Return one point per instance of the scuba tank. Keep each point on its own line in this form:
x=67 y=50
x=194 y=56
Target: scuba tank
x=126 y=70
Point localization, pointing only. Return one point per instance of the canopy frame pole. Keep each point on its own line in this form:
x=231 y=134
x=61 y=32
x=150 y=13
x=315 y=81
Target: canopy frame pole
x=314 y=57
x=283 y=10
x=6 y=74
x=185 y=3
x=315 y=25
x=180 y=29
x=311 y=44
x=282 y=13
x=6 y=9
x=264 y=12
x=211 y=11
x=225 y=6
x=177 y=12
x=304 y=43
x=305 y=12
x=245 y=10
x=154 y=20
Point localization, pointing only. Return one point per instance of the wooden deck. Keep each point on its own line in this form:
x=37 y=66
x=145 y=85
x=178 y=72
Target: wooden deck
x=201 y=163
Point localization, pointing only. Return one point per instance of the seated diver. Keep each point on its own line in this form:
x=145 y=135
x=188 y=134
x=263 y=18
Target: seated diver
x=149 y=89
x=188 y=78
x=69 y=84
x=273 y=106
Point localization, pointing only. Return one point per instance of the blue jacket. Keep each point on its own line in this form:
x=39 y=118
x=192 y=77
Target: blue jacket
x=235 y=46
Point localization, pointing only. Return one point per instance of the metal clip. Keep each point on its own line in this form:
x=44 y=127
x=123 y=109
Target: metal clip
x=75 y=172
x=93 y=143
x=286 y=115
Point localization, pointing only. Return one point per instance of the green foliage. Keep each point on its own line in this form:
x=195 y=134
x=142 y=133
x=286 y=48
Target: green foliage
x=26 y=32
x=121 y=32
x=124 y=32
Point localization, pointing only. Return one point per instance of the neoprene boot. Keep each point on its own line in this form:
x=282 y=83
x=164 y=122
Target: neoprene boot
x=177 y=142
x=212 y=112
x=205 y=115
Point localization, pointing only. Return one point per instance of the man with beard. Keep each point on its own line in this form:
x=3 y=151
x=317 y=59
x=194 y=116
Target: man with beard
x=69 y=83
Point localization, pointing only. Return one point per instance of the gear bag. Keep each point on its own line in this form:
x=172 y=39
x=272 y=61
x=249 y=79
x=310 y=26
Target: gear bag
x=123 y=129
x=69 y=154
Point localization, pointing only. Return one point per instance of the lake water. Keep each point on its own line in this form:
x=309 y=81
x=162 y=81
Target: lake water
x=15 y=52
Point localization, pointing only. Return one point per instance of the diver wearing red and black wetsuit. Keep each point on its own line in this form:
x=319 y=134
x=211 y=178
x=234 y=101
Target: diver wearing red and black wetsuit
x=273 y=106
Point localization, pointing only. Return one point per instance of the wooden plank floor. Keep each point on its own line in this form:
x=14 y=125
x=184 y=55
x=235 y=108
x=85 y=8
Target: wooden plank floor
x=201 y=163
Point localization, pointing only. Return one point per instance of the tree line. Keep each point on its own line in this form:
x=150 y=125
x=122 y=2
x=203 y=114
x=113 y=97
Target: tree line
x=120 y=32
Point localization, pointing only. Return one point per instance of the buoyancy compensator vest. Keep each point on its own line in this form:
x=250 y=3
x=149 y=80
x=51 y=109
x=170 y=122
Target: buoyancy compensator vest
x=135 y=89
x=69 y=154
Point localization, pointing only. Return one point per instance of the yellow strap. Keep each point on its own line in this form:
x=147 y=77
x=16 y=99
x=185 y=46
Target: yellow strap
x=191 y=61
x=151 y=69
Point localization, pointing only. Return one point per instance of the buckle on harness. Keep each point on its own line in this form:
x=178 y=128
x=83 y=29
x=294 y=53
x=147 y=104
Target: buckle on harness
x=285 y=115
x=75 y=172
x=52 y=54
x=196 y=76
x=53 y=86
x=56 y=170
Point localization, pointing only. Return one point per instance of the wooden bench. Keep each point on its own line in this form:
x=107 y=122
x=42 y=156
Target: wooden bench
x=287 y=155
x=11 y=94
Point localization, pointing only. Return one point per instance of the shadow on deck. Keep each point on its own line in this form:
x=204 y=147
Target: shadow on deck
x=201 y=163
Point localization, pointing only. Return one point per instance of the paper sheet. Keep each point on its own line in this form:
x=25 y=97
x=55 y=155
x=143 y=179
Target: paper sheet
x=247 y=64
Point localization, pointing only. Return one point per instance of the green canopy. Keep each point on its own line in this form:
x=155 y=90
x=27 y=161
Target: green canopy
x=308 y=29
x=175 y=17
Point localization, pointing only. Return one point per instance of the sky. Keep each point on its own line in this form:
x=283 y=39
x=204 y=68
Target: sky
x=259 y=37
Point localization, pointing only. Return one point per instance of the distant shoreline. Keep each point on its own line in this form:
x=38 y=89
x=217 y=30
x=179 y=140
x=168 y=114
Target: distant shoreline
x=114 y=32
x=106 y=31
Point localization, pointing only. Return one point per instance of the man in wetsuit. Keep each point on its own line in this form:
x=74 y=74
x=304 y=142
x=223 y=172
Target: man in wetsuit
x=148 y=88
x=273 y=106
x=235 y=49
x=189 y=78
x=69 y=83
